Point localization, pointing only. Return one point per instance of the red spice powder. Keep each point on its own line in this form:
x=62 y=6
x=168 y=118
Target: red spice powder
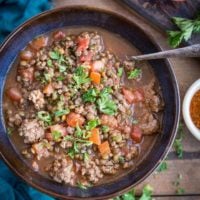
x=195 y=109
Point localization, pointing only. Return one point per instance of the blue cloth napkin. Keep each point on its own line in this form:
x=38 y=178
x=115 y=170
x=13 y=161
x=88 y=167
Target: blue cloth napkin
x=12 y=14
x=15 y=12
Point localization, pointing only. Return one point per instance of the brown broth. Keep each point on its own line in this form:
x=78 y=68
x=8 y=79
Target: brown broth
x=122 y=49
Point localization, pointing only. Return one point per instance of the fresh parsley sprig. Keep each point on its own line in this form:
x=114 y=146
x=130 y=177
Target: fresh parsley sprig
x=186 y=28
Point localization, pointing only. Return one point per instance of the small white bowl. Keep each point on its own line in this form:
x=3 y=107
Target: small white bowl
x=186 y=109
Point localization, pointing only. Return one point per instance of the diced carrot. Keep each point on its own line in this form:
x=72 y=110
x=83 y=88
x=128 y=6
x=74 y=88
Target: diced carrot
x=74 y=119
x=95 y=77
x=48 y=89
x=104 y=148
x=95 y=136
x=136 y=134
x=39 y=42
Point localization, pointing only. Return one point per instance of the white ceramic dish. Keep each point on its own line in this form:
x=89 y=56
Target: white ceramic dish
x=186 y=109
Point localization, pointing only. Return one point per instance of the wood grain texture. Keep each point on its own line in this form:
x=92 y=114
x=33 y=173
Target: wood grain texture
x=187 y=70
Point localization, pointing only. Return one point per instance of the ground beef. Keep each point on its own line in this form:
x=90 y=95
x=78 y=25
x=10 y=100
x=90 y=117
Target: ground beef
x=31 y=130
x=61 y=170
x=148 y=124
x=91 y=171
x=37 y=97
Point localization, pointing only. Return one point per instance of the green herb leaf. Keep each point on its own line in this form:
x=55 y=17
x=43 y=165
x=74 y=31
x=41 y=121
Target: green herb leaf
x=92 y=124
x=54 y=55
x=60 y=78
x=86 y=156
x=180 y=191
x=80 y=77
x=146 y=193
x=106 y=92
x=186 y=26
x=119 y=71
x=134 y=74
x=90 y=95
x=59 y=113
x=44 y=116
x=162 y=167
x=178 y=146
x=81 y=186
x=105 y=128
x=106 y=105
x=62 y=68
x=49 y=63
x=78 y=132
x=56 y=135
x=129 y=195
x=10 y=131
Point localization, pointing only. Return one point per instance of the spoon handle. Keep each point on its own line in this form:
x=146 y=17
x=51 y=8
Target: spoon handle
x=190 y=51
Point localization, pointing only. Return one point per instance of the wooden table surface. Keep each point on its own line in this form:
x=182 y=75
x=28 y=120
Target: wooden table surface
x=187 y=70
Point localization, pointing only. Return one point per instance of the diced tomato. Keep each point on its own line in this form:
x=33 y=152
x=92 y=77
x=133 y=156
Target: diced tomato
x=87 y=57
x=97 y=66
x=48 y=89
x=95 y=77
x=39 y=42
x=109 y=120
x=83 y=44
x=27 y=73
x=59 y=35
x=26 y=55
x=139 y=95
x=14 y=94
x=133 y=96
x=128 y=95
x=95 y=136
x=74 y=119
x=104 y=148
x=60 y=128
x=136 y=134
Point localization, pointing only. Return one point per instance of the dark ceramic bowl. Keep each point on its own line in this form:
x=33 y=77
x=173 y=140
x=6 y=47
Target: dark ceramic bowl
x=84 y=16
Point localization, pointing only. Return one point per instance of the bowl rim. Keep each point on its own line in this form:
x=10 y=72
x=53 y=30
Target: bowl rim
x=175 y=85
x=186 y=109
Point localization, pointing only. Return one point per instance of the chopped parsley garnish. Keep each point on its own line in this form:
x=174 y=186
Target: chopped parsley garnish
x=54 y=55
x=81 y=186
x=60 y=78
x=119 y=71
x=10 y=131
x=49 y=63
x=134 y=74
x=62 y=68
x=80 y=77
x=79 y=133
x=107 y=105
x=178 y=146
x=105 y=128
x=59 y=113
x=44 y=116
x=90 y=95
x=56 y=135
x=86 y=156
x=92 y=124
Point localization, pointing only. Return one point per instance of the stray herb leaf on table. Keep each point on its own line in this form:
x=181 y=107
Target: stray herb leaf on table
x=186 y=28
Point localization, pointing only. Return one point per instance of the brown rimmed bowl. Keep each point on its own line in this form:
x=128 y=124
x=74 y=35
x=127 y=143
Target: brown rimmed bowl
x=87 y=16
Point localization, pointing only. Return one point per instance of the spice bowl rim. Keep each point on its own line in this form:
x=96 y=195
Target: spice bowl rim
x=186 y=109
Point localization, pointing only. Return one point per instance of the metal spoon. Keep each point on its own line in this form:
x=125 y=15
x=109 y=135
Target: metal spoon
x=190 y=51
